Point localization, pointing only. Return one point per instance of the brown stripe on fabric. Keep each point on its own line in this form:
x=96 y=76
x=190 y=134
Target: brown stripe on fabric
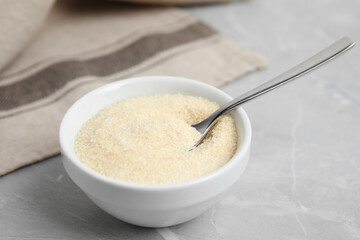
x=46 y=81
x=78 y=84
x=118 y=43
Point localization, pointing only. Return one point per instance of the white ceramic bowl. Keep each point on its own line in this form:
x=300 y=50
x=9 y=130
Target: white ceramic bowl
x=151 y=205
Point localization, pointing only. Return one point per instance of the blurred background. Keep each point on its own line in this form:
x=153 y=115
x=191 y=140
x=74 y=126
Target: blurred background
x=302 y=179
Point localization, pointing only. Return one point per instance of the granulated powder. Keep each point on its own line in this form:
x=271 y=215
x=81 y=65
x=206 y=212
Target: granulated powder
x=145 y=140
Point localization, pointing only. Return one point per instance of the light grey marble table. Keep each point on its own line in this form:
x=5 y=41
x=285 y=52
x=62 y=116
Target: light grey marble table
x=303 y=179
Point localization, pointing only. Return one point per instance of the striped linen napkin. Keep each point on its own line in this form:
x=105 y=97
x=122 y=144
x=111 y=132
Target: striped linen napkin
x=83 y=45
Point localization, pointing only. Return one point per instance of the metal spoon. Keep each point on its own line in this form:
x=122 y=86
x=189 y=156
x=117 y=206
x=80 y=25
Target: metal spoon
x=310 y=64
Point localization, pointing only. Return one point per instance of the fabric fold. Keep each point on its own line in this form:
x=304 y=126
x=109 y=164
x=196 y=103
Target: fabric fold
x=20 y=21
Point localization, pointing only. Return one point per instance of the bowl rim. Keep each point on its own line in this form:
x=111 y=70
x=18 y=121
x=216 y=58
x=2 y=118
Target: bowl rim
x=71 y=156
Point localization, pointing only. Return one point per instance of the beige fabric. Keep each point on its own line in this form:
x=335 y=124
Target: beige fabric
x=83 y=46
x=19 y=20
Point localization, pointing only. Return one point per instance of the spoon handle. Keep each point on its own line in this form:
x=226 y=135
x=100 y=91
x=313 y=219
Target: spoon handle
x=308 y=65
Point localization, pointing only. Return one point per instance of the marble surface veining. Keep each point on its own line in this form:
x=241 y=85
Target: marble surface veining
x=303 y=178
